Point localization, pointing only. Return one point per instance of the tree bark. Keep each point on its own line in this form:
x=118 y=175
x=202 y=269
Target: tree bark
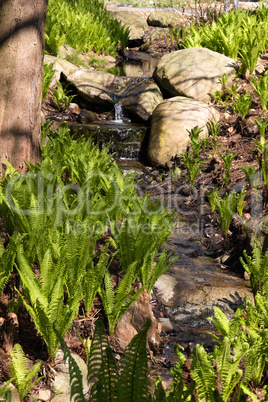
x=22 y=30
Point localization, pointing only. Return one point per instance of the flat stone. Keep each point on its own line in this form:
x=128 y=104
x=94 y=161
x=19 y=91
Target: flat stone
x=192 y=287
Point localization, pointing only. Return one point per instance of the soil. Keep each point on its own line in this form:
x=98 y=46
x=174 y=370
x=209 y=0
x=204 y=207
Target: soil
x=238 y=137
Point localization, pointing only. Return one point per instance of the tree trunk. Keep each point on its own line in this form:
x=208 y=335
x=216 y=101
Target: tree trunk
x=22 y=30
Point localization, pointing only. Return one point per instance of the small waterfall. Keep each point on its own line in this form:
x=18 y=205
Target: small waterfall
x=118 y=113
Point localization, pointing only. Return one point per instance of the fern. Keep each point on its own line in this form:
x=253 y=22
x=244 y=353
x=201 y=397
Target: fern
x=45 y=295
x=255 y=266
x=134 y=383
x=117 y=302
x=203 y=374
x=102 y=368
x=23 y=374
x=5 y=391
x=7 y=259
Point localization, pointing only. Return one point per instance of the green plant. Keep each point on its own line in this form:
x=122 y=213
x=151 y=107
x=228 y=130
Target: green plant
x=250 y=173
x=117 y=301
x=175 y=173
x=235 y=34
x=241 y=201
x=250 y=52
x=83 y=25
x=255 y=266
x=224 y=80
x=97 y=63
x=22 y=371
x=48 y=74
x=241 y=104
x=226 y=207
x=190 y=158
x=129 y=382
x=261 y=147
x=61 y=97
x=43 y=298
x=213 y=196
x=215 y=128
x=77 y=60
x=139 y=239
x=260 y=86
x=62 y=209
x=228 y=158
x=7 y=259
x=232 y=89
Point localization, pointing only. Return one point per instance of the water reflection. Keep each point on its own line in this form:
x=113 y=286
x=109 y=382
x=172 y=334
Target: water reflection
x=141 y=65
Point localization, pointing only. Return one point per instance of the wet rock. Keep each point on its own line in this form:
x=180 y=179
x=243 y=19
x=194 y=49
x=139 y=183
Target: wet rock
x=87 y=117
x=135 y=21
x=192 y=287
x=132 y=321
x=166 y=324
x=193 y=72
x=163 y=18
x=170 y=121
x=125 y=140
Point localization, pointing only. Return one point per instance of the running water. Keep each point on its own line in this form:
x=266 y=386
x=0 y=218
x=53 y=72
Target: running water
x=118 y=113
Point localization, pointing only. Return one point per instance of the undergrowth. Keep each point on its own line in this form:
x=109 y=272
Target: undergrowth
x=84 y=25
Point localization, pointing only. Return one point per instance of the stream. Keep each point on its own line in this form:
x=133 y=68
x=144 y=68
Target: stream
x=195 y=283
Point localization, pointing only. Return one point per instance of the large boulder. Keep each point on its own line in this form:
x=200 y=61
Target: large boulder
x=138 y=95
x=96 y=87
x=135 y=21
x=193 y=72
x=170 y=121
x=59 y=65
x=142 y=99
x=159 y=18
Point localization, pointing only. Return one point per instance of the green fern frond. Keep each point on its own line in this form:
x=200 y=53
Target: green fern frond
x=203 y=374
x=159 y=393
x=98 y=349
x=7 y=259
x=105 y=389
x=5 y=391
x=134 y=382
x=117 y=302
x=221 y=322
x=21 y=370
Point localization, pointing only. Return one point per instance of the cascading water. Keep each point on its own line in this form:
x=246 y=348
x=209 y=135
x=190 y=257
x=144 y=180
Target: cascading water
x=118 y=113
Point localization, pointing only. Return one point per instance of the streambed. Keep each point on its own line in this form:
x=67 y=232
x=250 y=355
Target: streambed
x=184 y=297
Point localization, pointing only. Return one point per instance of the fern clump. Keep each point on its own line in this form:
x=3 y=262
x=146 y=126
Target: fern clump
x=22 y=371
